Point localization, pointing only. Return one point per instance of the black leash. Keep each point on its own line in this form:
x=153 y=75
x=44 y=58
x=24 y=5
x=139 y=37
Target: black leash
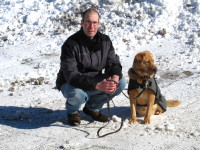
x=145 y=85
x=108 y=106
x=136 y=96
x=122 y=122
x=100 y=136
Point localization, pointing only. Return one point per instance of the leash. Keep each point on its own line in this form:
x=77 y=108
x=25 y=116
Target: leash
x=122 y=122
x=100 y=136
x=136 y=96
x=108 y=106
x=145 y=86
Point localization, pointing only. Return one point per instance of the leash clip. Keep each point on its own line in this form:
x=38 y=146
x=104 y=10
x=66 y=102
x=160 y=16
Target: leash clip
x=146 y=84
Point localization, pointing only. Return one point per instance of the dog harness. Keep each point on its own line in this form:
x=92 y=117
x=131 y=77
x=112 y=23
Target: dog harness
x=149 y=84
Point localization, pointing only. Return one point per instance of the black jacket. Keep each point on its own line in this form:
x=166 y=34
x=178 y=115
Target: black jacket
x=82 y=59
x=153 y=86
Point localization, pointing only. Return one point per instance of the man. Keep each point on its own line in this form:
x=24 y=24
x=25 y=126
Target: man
x=90 y=71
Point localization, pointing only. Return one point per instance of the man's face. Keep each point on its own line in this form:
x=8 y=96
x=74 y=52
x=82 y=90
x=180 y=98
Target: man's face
x=90 y=24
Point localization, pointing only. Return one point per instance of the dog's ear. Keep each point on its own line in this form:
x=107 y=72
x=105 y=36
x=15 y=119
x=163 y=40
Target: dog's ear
x=139 y=57
x=150 y=56
x=149 y=53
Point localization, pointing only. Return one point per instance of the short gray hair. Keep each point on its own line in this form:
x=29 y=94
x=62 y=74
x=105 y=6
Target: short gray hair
x=90 y=10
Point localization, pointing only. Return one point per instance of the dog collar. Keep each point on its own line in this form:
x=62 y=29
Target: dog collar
x=132 y=72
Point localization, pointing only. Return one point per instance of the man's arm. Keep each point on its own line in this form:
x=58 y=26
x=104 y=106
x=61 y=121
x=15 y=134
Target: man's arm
x=70 y=70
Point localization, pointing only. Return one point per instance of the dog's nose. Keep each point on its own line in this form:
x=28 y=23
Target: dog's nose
x=155 y=70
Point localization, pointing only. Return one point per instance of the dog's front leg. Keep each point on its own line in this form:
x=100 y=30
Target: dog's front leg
x=133 y=118
x=150 y=104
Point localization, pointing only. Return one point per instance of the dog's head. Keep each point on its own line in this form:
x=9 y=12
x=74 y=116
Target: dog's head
x=143 y=65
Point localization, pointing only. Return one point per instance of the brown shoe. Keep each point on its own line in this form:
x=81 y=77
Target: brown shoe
x=74 y=119
x=98 y=116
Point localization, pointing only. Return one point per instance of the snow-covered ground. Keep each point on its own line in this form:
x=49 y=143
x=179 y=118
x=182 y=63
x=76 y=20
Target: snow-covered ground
x=32 y=112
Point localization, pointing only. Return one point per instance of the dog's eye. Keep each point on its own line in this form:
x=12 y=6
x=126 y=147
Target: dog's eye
x=137 y=61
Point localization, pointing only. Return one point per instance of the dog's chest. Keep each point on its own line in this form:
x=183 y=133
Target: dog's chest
x=144 y=97
x=139 y=89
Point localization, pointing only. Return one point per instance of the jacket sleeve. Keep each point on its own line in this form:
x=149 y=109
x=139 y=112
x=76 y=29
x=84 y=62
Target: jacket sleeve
x=70 y=70
x=113 y=65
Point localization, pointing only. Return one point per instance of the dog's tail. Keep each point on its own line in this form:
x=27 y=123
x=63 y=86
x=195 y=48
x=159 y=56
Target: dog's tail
x=173 y=103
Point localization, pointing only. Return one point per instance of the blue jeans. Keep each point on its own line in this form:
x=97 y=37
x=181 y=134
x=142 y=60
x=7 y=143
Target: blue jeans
x=94 y=99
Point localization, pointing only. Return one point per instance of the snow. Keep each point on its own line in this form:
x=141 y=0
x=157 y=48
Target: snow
x=32 y=112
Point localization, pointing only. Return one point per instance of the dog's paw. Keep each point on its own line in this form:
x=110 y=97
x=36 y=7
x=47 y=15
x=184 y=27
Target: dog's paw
x=132 y=121
x=158 y=112
x=147 y=120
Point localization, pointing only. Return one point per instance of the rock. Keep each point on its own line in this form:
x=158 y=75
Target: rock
x=169 y=127
x=160 y=128
x=12 y=89
x=162 y=32
x=11 y=94
x=41 y=80
x=4 y=38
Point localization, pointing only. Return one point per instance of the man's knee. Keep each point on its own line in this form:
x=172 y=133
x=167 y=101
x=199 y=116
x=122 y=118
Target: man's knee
x=122 y=83
x=77 y=97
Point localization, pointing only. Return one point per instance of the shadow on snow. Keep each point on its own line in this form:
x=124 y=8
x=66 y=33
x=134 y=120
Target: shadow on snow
x=32 y=118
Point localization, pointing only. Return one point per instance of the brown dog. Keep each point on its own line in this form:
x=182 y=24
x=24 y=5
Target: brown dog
x=144 y=94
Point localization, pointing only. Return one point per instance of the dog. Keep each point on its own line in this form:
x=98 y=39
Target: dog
x=144 y=94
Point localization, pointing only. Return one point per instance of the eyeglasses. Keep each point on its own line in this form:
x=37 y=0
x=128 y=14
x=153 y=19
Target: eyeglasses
x=91 y=23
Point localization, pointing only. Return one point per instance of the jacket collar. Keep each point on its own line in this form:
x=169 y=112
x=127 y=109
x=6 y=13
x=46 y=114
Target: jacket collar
x=92 y=44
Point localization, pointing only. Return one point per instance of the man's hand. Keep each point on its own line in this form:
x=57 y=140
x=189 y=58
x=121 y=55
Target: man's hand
x=115 y=78
x=108 y=85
